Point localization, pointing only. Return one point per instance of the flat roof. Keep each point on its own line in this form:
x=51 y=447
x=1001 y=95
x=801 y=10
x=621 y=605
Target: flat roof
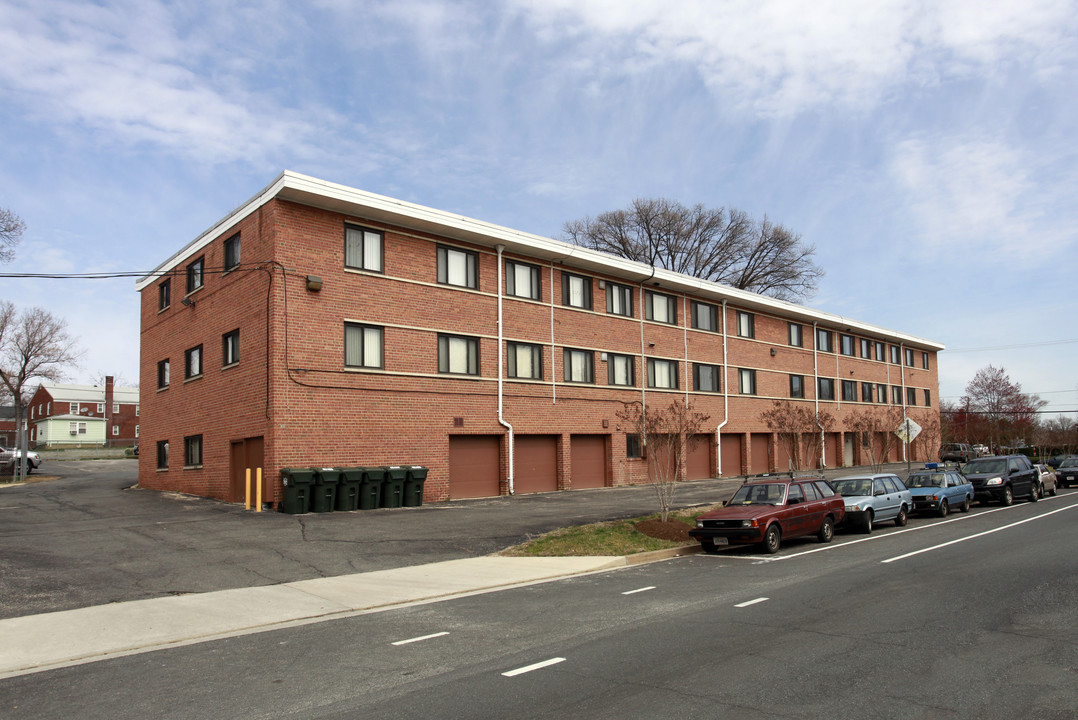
x=306 y=190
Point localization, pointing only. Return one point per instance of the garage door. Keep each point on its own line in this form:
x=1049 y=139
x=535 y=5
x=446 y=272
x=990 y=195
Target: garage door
x=589 y=461
x=473 y=466
x=832 y=444
x=731 y=455
x=536 y=463
x=698 y=463
x=759 y=442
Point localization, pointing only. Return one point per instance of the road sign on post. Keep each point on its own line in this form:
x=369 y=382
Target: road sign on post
x=906 y=432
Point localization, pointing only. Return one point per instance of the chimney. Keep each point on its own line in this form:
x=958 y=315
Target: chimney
x=108 y=405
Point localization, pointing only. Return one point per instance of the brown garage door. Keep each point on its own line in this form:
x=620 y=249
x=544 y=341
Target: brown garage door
x=473 y=466
x=758 y=442
x=536 y=460
x=731 y=455
x=698 y=463
x=589 y=461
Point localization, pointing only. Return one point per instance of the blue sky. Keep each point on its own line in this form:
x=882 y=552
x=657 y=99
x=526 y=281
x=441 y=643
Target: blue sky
x=926 y=148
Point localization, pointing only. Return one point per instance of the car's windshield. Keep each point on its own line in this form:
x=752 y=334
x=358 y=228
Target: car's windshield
x=759 y=494
x=1069 y=462
x=975 y=467
x=925 y=480
x=853 y=486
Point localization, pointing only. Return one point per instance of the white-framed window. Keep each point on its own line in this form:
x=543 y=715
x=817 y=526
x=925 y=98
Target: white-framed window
x=746 y=381
x=746 y=325
x=458 y=355
x=619 y=299
x=74 y=408
x=364 y=248
x=660 y=308
x=662 y=374
x=705 y=316
x=706 y=378
x=621 y=369
x=575 y=291
x=458 y=267
x=115 y=408
x=579 y=366
x=101 y=408
x=524 y=361
x=522 y=280
x=115 y=430
x=363 y=346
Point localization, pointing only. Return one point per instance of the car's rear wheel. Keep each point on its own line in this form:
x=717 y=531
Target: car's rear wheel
x=903 y=516
x=772 y=539
x=1008 y=496
x=1034 y=492
x=866 y=522
x=965 y=505
x=944 y=508
x=709 y=547
x=827 y=530
x=1054 y=486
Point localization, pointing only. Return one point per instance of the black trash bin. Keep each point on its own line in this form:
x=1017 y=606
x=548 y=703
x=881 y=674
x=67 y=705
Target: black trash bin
x=324 y=491
x=297 y=490
x=393 y=487
x=370 y=491
x=348 y=489
x=413 y=486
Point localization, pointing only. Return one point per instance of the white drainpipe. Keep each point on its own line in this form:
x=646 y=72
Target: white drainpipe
x=816 y=374
x=725 y=395
x=501 y=368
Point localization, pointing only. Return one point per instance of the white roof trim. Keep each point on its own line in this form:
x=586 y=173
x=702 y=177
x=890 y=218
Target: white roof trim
x=306 y=190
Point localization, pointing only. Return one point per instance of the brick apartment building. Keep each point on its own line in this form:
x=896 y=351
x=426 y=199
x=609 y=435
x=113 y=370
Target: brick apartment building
x=61 y=415
x=318 y=325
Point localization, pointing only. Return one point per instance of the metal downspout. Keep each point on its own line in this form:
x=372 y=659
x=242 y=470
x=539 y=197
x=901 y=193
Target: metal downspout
x=644 y=363
x=501 y=368
x=725 y=396
x=905 y=409
x=816 y=374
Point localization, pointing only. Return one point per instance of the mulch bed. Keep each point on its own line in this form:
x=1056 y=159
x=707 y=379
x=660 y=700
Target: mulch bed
x=673 y=530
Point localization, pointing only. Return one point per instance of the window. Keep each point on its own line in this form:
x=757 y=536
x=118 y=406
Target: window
x=621 y=369
x=195 y=273
x=823 y=341
x=894 y=355
x=846 y=344
x=880 y=354
x=458 y=355
x=363 y=248
x=162 y=454
x=74 y=408
x=192 y=451
x=524 y=361
x=797 y=335
x=162 y=374
x=928 y=398
x=706 y=378
x=522 y=280
x=866 y=392
x=746 y=325
x=230 y=348
x=795 y=495
x=896 y=395
x=866 y=349
x=797 y=386
x=909 y=357
x=825 y=388
x=115 y=408
x=662 y=374
x=232 y=252
x=881 y=393
x=705 y=317
x=632 y=447
x=619 y=299
x=579 y=366
x=77 y=428
x=575 y=291
x=192 y=362
x=746 y=381
x=911 y=396
x=363 y=346
x=660 y=308
x=458 y=267
x=164 y=294
x=115 y=430
x=849 y=391
x=101 y=408
x=924 y=360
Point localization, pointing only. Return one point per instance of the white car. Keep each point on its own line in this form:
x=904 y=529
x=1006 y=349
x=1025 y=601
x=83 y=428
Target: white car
x=874 y=498
x=33 y=460
x=1047 y=479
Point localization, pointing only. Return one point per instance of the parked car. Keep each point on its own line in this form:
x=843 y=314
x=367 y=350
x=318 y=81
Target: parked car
x=939 y=490
x=1067 y=472
x=765 y=511
x=956 y=452
x=1056 y=460
x=1046 y=479
x=33 y=460
x=874 y=498
x=1002 y=478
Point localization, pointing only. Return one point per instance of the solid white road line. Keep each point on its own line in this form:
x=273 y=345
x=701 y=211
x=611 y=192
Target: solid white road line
x=639 y=590
x=420 y=639
x=751 y=602
x=536 y=666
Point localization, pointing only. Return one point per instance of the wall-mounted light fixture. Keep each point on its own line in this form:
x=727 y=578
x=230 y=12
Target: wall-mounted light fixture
x=187 y=302
x=774 y=352
x=651 y=344
x=314 y=283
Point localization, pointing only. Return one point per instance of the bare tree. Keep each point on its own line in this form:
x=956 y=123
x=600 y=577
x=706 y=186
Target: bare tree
x=34 y=345
x=11 y=229
x=724 y=246
x=876 y=428
x=669 y=435
x=799 y=431
x=1003 y=409
x=928 y=441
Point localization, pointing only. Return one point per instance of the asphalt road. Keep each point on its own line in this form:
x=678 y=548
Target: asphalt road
x=973 y=616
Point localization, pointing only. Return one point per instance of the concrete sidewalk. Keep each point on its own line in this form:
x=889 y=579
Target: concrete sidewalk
x=35 y=643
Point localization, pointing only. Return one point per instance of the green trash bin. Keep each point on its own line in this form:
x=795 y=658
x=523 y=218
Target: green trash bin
x=393 y=487
x=370 y=490
x=348 y=489
x=297 y=484
x=413 y=486
x=324 y=490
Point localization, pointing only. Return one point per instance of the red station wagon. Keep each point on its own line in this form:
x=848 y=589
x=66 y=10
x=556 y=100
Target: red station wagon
x=767 y=510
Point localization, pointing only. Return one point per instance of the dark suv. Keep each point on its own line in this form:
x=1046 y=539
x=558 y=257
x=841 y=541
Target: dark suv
x=957 y=452
x=1002 y=478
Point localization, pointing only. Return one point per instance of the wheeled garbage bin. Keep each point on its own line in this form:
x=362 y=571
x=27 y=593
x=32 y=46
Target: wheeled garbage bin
x=370 y=491
x=348 y=489
x=324 y=493
x=413 y=486
x=393 y=487
x=297 y=490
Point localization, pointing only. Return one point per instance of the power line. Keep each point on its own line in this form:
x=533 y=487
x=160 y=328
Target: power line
x=1042 y=343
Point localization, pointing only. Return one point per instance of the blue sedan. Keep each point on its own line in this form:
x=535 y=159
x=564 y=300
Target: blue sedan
x=939 y=490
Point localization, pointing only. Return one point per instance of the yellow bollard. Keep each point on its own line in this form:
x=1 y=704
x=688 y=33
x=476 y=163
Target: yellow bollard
x=258 y=490
x=247 y=488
